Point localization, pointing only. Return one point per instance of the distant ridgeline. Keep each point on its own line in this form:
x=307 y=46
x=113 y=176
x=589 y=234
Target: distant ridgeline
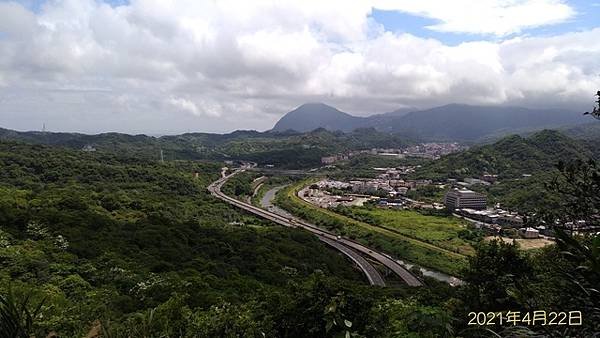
x=282 y=149
x=512 y=156
x=324 y=130
x=454 y=122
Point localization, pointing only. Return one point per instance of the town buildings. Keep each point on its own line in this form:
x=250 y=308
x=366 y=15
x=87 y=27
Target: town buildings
x=493 y=216
x=424 y=150
x=529 y=233
x=463 y=198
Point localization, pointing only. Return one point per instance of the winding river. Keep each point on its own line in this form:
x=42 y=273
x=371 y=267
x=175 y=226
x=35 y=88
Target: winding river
x=266 y=202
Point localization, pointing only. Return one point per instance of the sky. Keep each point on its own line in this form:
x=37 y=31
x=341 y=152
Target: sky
x=167 y=67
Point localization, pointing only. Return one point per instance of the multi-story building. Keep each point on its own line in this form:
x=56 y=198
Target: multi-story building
x=463 y=198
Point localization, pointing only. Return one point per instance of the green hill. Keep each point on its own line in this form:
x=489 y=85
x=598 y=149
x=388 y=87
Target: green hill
x=283 y=149
x=585 y=131
x=96 y=237
x=509 y=157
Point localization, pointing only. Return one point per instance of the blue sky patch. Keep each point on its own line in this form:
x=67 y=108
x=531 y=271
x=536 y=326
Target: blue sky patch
x=398 y=22
x=586 y=18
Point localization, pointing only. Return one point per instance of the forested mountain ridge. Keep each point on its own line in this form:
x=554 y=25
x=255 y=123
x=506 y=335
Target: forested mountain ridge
x=584 y=131
x=510 y=157
x=459 y=122
x=286 y=149
x=453 y=122
x=588 y=133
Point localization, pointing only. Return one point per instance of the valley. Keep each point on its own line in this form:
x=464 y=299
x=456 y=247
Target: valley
x=320 y=215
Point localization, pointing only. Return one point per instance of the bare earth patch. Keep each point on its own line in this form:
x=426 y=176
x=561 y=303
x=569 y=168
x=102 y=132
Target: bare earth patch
x=525 y=244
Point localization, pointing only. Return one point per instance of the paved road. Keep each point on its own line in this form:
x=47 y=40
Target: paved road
x=370 y=272
x=341 y=244
x=452 y=280
x=266 y=202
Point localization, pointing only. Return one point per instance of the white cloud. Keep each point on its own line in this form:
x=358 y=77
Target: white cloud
x=497 y=17
x=222 y=65
x=185 y=105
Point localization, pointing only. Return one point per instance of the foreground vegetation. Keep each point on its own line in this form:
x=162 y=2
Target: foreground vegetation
x=135 y=245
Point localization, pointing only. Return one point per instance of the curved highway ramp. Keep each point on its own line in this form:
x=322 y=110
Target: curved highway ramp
x=348 y=247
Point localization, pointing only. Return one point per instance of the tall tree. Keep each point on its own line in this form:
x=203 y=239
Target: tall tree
x=596 y=111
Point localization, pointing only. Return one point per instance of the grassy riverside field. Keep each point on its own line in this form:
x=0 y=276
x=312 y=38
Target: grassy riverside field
x=443 y=232
x=385 y=238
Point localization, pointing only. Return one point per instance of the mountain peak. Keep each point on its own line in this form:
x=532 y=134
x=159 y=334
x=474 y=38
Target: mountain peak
x=315 y=105
x=456 y=122
x=314 y=115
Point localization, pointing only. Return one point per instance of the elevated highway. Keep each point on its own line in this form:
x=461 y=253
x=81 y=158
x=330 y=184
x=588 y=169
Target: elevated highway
x=348 y=247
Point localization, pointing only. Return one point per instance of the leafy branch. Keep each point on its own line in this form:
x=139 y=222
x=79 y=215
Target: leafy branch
x=596 y=111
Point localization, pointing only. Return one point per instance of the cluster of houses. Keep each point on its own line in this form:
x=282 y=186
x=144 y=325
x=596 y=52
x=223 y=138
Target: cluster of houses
x=395 y=173
x=383 y=185
x=485 y=179
x=388 y=190
x=376 y=186
x=433 y=150
x=424 y=150
x=328 y=160
x=319 y=195
x=385 y=193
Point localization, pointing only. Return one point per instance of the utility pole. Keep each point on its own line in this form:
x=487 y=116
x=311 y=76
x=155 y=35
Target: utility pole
x=162 y=158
